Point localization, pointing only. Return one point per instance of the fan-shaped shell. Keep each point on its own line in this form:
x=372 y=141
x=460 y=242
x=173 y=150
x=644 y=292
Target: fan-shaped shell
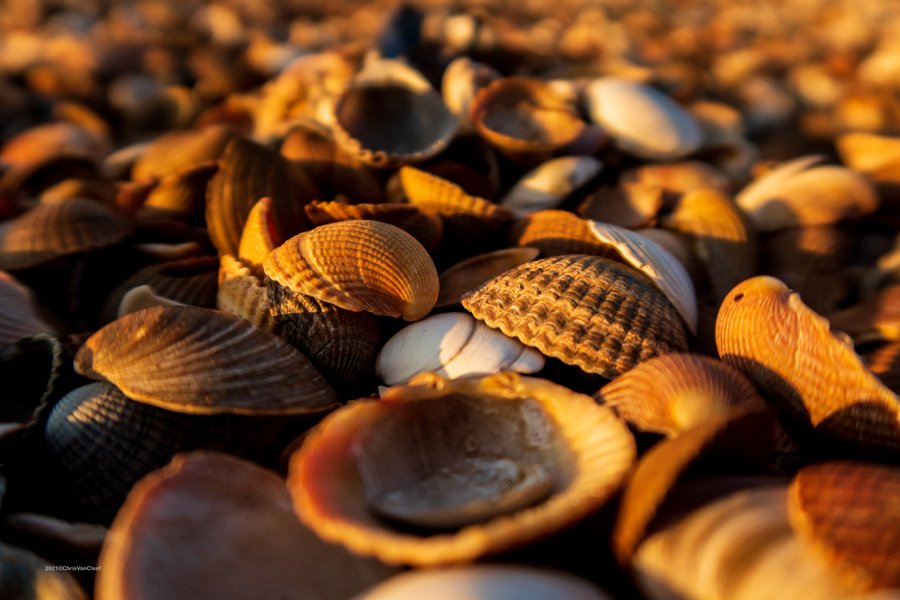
x=584 y=310
x=20 y=316
x=642 y=120
x=426 y=227
x=360 y=266
x=475 y=270
x=790 y=353
x=556 y=232
x=195 y=360
x=452 y=345
x=141 y=297
x=180 y=151
x=547 y=185
x=241 y=293
x=467 y=439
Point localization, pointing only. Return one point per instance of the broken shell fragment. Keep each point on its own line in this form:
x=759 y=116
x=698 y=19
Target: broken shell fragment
x=475 y=270
x=241 y=293
x=550 y=183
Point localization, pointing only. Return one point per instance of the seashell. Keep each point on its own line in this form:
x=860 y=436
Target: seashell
x=875 y=319
x=642 y=120
x=51 y=231
x=549 y=184
x=200 y=361
x=475 y=270
x=181 y=151
x=389 y=115
x=426 y=227
x=655 y=262
x=722 y=238
x=629 y=204
x=524 y=118
x=484 y=582
x=359 y=266
x=884 y=362
x=672 y=393
x=44 y=142
x=24 y=570
x=219 y=509
x=791 y=355
x=571 y=308
x=142 y=297
x=20 y=316
x=798 y=193
x=452 y=345
x=520 y=474
x=678 y=178
x=260 y=236
x=556 y=232
x=462 y=80
x=36 y=371
x=875 y=156
x=28 y=182
x=103 y=192
x=241 y=293
x=845 y=510
x=179 y=195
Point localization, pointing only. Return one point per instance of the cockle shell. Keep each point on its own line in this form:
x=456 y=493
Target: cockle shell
x=475 y=270
x=181 y=151
x=549 y=184
x=643 y=121
x=586 y=311
x=260 y=236
x=462 y=80
x=202 y=361
x=556 y=232
x=790 y=353
x=629 y=204
x=481 y=437
x=655 y=262
x=425 y=226
x=452 y=345
x=798 y=193
x=360 y=266
x=243 y=294
x=20 y=316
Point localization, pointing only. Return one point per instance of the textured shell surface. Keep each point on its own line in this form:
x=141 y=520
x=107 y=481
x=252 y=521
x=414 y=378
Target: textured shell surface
x=241 y=293
x=471 y=272
x=20 y=316
x=141 y=297
x=549 y=184
x=178 y=151
x=587 y=311
x=555 y=232
x=629 y=204
x=425 y=226
x=360 y=266
x=259 y=236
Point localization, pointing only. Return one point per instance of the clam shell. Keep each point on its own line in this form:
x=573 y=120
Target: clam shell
x=426 y=227
x=360 y=266
x=671 y=393
x=846 y=511
x=389 y=116
x=630 y=204
x=181 y=151
x=433 y=432
x=556 y=232
x=241 y=293
x=641 y=120
x=452 y=345
x=260 y=236
x=20 y=316
x=50 y=231
x=475 y=270
x=655 y=262
x=549 y=184
x=792 y=356
x=201 y=361
x=462 y=80
x=876 y=319
x=219 y=510
x=586 y=311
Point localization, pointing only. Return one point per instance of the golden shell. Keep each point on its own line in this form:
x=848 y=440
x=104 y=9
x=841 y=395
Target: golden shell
x=876 y=156
x=884 y=362
x=678 y=178
x=425 y=226
x=180 y=151
x=556 y=232
x=260 y=236
x=241 y=293
x=475 y=270
x=179 y=195
x=584 y=310
x=45 y=142
x=629 y=204
x=360 y=266
x=366 y=458
x=462 y=80
x=201 y=361
x=791 y=354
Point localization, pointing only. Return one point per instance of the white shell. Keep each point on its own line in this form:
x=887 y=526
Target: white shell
x=548 y=185
x=655 y=262
x=642 y=120
x=452 y=345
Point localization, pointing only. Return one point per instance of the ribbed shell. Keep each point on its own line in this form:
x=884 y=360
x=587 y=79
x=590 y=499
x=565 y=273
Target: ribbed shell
x=850 y=512
x=181 y=150
x=241 y=293
x=426 y=227
x=50 y=231
x=20 y=315
x=195 y=360
x=556 y=232
x=260 y=236
x=671 y=393
x=475 y=270
x=360 y=266
x=584 y=310
x=792 y=356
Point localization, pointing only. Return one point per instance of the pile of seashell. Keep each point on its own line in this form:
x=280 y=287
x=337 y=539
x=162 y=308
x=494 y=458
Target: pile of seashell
x=370 y=300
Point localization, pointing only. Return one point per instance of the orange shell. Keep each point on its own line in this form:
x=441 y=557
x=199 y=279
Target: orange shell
x=241 y=293
x=425 y=226
x=556 y=232
x=260 y=236
x=179 y=151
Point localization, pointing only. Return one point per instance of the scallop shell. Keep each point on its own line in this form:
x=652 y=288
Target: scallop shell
x=800 y=194
x=50 y=231
x=360 y=266
x=426 y=227
x=20 y=316
x=462 y=80
x=452 y=345
x=876 y=319
x=671 y=393
x=195 y=360
x=629 y=204
x=475 y=270
x=389 y=115
x=549 y=184
x=655 y=262
x=643 y=121
x=586 y=311
x=241 y=293
x=846 y=511
x=474 y=435
x=792 y=356
x=219 y=510
x=556 y=232
x=260 y=236
x=181 y=151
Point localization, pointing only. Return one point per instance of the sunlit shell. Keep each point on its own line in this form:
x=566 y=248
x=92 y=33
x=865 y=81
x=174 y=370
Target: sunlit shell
x=475 y=270
x=556 y=232
x=629 y=204
x=451 y=455
x=584 y=310
x=260 y=236
x=195 y=360
x=549 y=184
x=24 y=570
x=179 y=195
x=426 y=227
x=142 y=297
x=180 y=151
x=241 y=293
x=100 y=191
x=849 y=512
x=877 y=156
x=219 y=510
x=390 y=115
x=20 y=316
x=655 y=262
x=642 y=120
x=360 y=266
x=876 y=319
x=462 y=80
x=790 y=353
x=452 y=345
x=884 y=362
x=678 y=178
x=674 y=392
x=798 y=193
x=43 y=142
